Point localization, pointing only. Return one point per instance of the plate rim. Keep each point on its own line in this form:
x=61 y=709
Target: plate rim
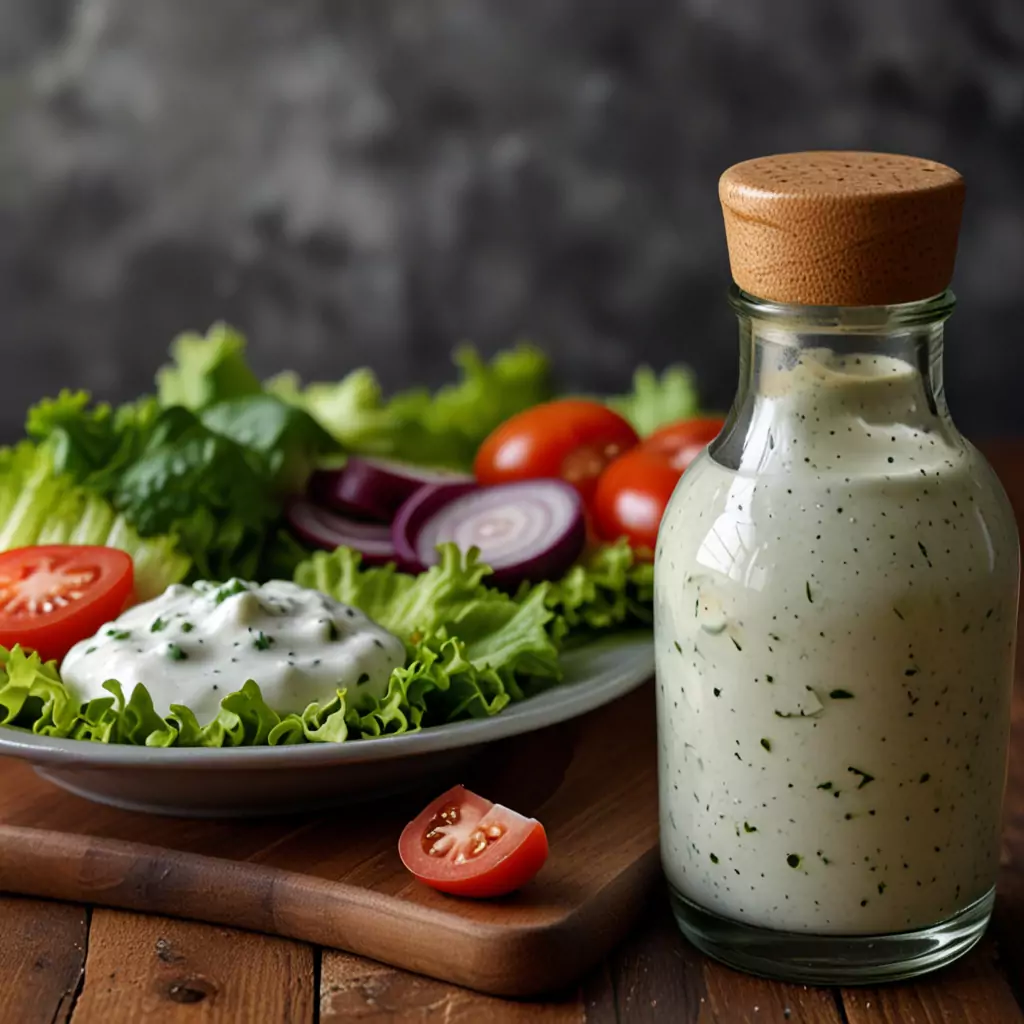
x=559 y=704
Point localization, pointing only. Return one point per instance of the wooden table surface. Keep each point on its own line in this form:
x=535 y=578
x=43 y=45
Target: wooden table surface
x=61 y=962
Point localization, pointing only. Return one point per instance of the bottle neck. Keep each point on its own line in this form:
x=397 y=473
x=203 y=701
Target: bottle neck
x=820 y=384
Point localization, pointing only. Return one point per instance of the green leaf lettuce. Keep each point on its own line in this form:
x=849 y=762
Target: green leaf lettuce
x=441 y=429
x=41 y=506
x=656 y=401
x=206 y=369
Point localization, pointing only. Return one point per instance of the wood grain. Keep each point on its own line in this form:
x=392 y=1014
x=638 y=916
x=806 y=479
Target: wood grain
x=972 y=991
x=355 y=989
x=160 y=970
x=734 y=998
x=42 y=956
x=336 y=880
x=657 y=977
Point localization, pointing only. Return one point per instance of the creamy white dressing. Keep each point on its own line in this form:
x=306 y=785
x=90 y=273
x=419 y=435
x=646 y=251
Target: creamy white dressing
x=196 y=644
x=835 y=626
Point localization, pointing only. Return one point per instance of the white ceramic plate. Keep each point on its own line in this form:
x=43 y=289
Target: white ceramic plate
x=247 y=781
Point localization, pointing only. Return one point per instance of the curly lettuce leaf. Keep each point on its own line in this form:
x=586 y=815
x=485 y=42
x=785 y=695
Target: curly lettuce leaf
x=408 y=606
x=40 y=506
x=441 y=429
x=92 y=443
x=656 y=401
x=471 y=650
x=608 y=588
x=516 y=637
x=206 y=369
x=446 y=679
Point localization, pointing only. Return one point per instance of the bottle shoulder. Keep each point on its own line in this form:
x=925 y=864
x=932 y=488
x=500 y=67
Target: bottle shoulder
x=866 y=523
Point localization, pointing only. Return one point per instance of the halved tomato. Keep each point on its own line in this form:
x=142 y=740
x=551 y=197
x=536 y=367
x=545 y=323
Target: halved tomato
x=53 y=596
x=570 y=439
x=466 y=845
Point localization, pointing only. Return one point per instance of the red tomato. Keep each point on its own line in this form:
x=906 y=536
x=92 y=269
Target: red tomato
x=571 y=439
x=465 y=845
x=631 y=497
x=51 y=597
x=633 y=492
x=682 y=442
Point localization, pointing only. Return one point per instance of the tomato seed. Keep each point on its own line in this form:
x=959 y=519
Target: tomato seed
x=442 y=846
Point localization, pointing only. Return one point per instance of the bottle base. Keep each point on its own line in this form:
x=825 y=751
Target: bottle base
x=832 y=959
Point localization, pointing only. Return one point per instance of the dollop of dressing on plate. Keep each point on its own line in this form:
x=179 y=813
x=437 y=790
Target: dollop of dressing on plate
x=194 y=645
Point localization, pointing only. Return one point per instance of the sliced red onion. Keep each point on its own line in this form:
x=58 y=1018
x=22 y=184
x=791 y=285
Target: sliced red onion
x=533 y=530
x=324 y=529
x=374 y=488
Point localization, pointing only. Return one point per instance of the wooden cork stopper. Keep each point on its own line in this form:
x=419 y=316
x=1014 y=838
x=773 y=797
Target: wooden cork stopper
x=842 y=228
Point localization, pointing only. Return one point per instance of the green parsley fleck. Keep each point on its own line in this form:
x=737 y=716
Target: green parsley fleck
x=865 y=778
x=119 y=634
x=158 y=625
x=747 y=827
x=925 y=777
x=767 y=744
x=229 y=590
x=841 y=695
x=807 y=587
x=736 y=643
x=263 y=642
x=714 y=859
x=824 y=785
x=793 y=860
x=187 y=627
x=175 y=653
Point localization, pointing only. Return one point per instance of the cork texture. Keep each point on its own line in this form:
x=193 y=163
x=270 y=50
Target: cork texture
x=842 y=228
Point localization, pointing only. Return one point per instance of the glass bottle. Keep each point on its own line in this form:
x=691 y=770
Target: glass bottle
x=836 y=602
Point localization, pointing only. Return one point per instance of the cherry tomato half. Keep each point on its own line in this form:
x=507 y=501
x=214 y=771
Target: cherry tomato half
x=633 y=492
x=53 y=596
x=466 y=845
x=571 y=439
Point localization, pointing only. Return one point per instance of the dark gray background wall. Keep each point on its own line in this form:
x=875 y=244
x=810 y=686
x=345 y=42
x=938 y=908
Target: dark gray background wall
x=370 y=182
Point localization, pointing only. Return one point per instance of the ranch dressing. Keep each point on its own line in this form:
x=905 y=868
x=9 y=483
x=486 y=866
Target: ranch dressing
x=194 y=645
x=835 y=636
x=836 y=586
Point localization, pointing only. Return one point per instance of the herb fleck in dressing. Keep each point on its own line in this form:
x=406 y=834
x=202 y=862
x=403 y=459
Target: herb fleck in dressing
x=194 y=645
x=852 y=694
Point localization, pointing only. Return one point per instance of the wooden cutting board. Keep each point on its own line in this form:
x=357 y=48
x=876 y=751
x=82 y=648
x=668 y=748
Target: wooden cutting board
x=334 y=878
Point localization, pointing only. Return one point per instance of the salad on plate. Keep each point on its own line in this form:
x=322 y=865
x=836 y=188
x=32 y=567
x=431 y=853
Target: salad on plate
x=230 y=561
